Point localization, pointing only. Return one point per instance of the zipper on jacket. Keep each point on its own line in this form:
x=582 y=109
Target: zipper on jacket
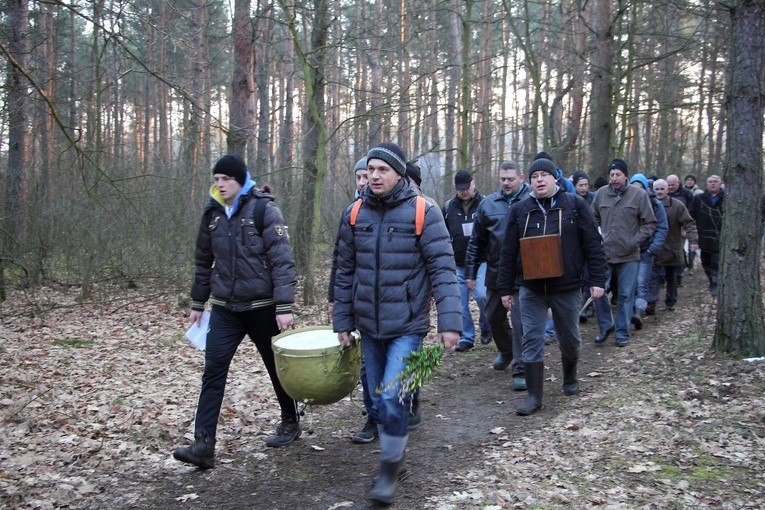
x=377 y=272
x=231 y=233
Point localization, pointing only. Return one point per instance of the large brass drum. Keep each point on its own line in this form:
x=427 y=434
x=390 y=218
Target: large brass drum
x=313 y=367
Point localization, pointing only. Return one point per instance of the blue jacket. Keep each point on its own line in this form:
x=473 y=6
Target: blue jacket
x=654 y=243
x=386 y=274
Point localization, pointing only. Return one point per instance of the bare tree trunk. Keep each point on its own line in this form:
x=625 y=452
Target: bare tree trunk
x=163 y=92
x=194 y=137
x=312 y=62
x=601 y=120
x=287 y=127
x=740 y=328
x=452 y=106
x=18 y=137
x=262 y=65
x=242 y=111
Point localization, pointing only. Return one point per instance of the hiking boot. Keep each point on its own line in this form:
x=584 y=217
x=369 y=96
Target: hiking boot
x=651 y=308
x=519 y=383
x=502 y=361
x=621 y=342
x=367 y=434
x=486 y=337
x=287 y=431
x=603 y=335
x=463 y=346
x=201 y=453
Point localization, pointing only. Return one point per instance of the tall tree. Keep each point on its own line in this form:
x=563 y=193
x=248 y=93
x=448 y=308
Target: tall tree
x=740 y=326
x=18 y=140
x=242 y=112
x=312 y=62
x=602 y=83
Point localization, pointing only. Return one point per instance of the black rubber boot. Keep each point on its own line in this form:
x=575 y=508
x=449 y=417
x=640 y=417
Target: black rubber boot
x=384 y=489
x=535 y=378
x=637 y=318
x=201 y=453
x=570 y=383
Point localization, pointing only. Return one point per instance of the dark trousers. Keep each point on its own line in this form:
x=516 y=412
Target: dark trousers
x=227 y=330
x=509 y=341
x=671 y=274
x=710 y=261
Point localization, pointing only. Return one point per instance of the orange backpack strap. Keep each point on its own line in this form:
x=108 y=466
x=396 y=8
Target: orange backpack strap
x=355 y=211
x=419 y=215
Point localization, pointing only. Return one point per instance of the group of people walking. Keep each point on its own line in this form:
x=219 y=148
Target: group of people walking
x=541 y=245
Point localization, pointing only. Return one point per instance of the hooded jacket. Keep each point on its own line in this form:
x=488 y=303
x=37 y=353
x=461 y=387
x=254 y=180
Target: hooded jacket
x=235 y=265
x=656 y=240
x=386 y=274
x=570 y=216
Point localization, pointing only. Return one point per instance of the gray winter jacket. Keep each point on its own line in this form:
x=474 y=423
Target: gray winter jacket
x=386 y=274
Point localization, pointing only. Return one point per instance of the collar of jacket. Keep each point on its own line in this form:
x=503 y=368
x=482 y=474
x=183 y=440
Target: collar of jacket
x=401 y=191
x=514 y=196
x=614 y=192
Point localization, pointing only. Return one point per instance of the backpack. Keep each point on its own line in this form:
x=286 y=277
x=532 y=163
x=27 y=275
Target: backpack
x=259 y=213
x=419 y=214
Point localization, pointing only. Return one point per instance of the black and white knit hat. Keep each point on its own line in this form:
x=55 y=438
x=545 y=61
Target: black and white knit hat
x=391 y=154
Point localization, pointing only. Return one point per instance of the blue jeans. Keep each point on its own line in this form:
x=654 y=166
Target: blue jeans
x=550 y=328
x=383 y=361
x=626 y=273
x=227 y=330
x=565 y=311
x=647 y=289
x=479 y=295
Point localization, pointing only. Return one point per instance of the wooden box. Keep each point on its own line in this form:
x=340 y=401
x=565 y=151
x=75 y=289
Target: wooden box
x=541 y=257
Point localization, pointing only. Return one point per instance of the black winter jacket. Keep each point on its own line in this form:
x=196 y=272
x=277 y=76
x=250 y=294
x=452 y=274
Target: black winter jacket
x=386 y=274
x=580 y=244
x=708 y=219
x=488 y=231
x=456 y=217
x=239 y=267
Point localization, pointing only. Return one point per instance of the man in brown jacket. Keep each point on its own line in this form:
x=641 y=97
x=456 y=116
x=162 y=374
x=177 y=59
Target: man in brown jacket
x=681 y=227
x=626 y=219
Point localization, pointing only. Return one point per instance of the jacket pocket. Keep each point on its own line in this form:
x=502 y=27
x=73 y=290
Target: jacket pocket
x=410 y=299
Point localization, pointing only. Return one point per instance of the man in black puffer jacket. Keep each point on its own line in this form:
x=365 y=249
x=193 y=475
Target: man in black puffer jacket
x=244 y=266
x=386 y=274
x=549 y=210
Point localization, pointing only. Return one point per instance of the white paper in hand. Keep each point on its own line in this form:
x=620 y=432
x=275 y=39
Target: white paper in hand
x=197 y=333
